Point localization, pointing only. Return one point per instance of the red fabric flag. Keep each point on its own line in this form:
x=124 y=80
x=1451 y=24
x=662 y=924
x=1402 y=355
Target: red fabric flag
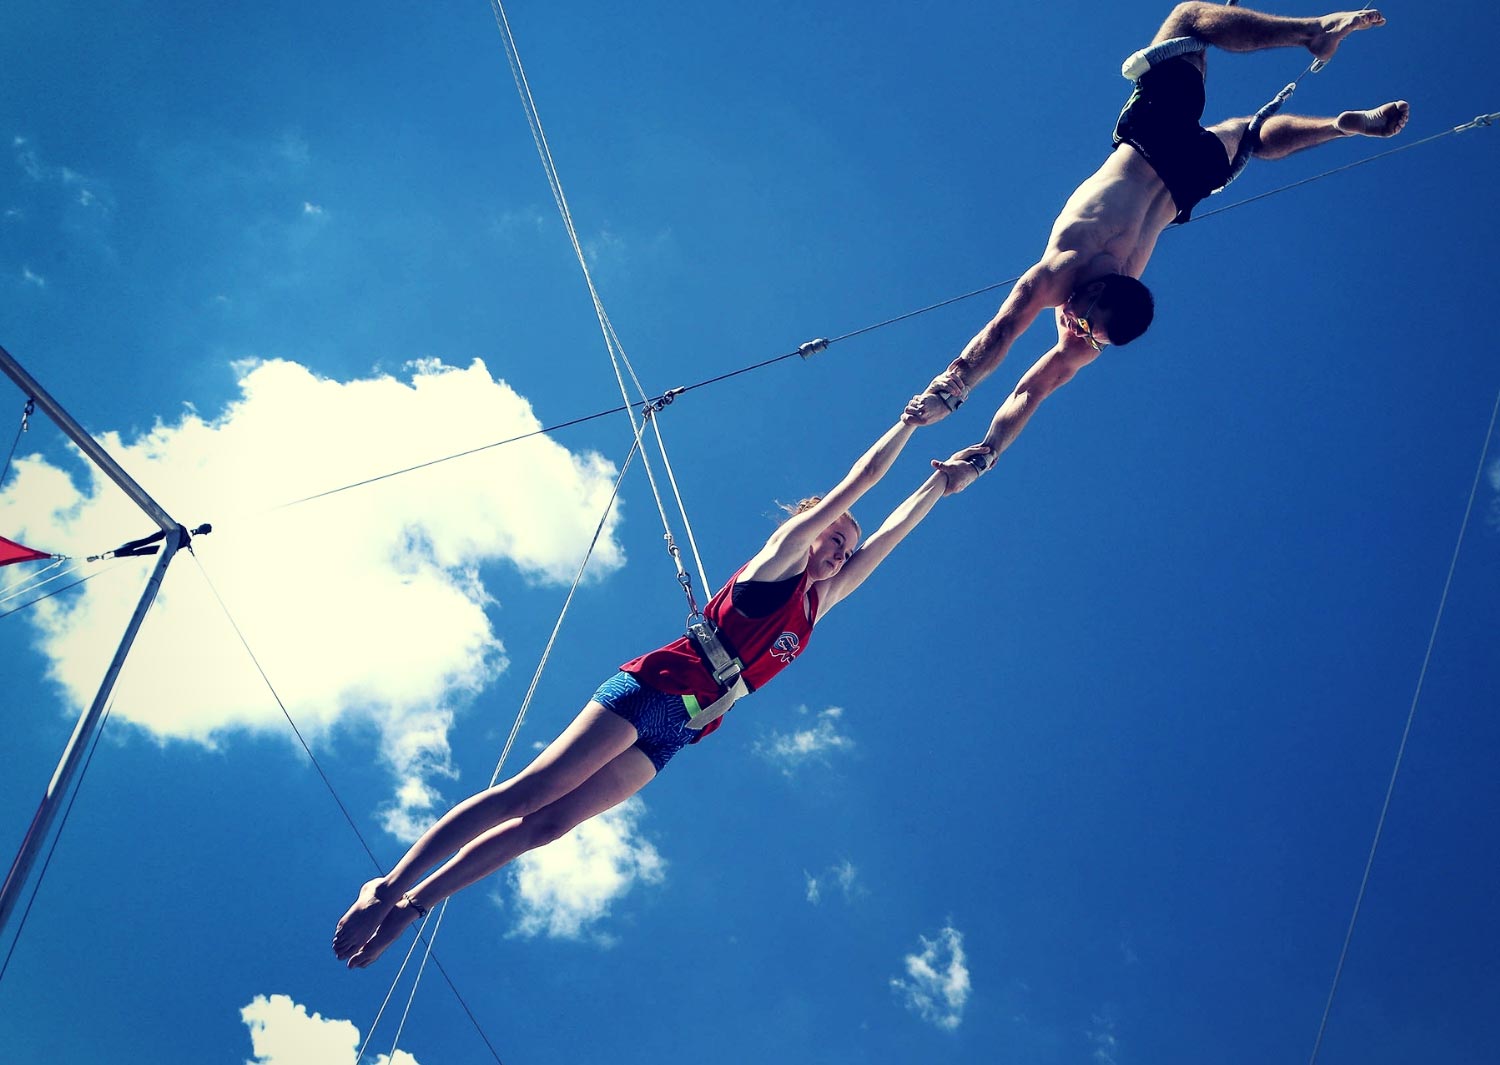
x=10 y=551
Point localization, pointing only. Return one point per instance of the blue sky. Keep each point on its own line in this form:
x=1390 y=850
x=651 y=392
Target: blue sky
x=1086 y=774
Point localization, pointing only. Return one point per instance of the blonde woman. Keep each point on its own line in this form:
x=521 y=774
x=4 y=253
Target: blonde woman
x=657 y=703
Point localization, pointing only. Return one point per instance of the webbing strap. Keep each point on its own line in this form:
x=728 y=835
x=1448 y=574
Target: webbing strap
x=700 y=717
x=726 y=667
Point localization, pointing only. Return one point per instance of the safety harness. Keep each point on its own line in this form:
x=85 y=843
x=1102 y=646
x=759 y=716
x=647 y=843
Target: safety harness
x=726 y=667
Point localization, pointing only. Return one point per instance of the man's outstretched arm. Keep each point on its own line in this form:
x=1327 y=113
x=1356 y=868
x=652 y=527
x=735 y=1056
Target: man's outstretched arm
x=1047 y=375
x=1036 y=291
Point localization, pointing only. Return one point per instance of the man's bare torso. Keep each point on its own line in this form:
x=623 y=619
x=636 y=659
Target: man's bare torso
x=1111 y=222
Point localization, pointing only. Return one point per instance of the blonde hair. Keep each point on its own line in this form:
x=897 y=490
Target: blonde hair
x=802 y=506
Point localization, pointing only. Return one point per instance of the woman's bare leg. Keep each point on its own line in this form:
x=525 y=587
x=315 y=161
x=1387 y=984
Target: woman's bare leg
x=611 y=785
x=595 y=738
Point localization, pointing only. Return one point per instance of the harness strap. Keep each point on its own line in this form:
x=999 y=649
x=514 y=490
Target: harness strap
x=727 y=673
x=700 y=717
x=726 y=667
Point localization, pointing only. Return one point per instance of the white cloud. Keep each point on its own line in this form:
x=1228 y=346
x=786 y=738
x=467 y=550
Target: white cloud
x=365 y=607
x=565 y=887
x=936 y=987
x=795 y=749
x=33 y=278
x=283 y=1033
x=31 y=163
x=1102 y=1038
x=26 y=158
x=844 y=875
x=604 y=246
x=311 y=208
x=514 y=221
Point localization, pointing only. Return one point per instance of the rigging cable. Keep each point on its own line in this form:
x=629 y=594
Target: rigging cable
x=327 y=783
x=26 y=413
x=616 y=349
x=516 y=726
x=57 y=591
x=36 y=885
x=1406 y=732
x=813 y=347
x=31 y=582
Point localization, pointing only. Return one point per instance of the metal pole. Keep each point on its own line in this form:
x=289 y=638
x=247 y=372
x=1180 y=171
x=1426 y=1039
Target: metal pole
x=83 y=733
x=86 y=443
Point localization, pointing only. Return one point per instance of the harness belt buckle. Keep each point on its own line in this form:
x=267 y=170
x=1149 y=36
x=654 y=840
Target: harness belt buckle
x=727 y=674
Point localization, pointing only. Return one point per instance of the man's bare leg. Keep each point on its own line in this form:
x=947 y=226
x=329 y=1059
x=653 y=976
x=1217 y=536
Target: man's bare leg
x=1284 y=135
x=1239 y=29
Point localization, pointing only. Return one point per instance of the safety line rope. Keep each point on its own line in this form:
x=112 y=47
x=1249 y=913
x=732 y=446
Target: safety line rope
x=1406 y=732
x=370 y=1034
x=417 y=980
x=327 y=783
x=526 y=703
x=536 y=677
x=612 y=343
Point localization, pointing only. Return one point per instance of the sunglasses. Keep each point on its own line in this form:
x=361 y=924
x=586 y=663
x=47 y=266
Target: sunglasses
x=1088 y=332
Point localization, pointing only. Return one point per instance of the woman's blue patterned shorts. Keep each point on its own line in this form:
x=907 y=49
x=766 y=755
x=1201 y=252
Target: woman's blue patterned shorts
x=660 y=719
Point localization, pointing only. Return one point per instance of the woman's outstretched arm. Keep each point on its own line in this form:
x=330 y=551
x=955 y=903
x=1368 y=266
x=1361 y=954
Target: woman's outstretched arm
x=785 y=553
x=893 y=530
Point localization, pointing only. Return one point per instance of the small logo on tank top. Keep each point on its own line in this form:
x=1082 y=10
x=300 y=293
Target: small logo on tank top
x=786 y=647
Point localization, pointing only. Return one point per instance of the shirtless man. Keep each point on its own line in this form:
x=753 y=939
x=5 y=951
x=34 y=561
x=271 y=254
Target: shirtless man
x=1163 y=164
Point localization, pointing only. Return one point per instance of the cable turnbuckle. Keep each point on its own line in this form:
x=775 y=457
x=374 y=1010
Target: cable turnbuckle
x=662 y=401
x=812 y=347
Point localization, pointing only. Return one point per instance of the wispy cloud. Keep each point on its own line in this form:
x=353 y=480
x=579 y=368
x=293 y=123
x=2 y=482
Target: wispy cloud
x=514 y=221
x=1101 y=1036
x=309 y=208
x=843 y=876
x=363 y=608
x=282 y=1032
x=604 y=248
x=936 y=986
x=32 y=278
x=86 y=191
x=792 y=750
x=566 y=887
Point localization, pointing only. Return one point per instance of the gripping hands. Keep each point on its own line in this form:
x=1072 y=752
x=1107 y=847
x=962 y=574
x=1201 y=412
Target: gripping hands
x=943 y=396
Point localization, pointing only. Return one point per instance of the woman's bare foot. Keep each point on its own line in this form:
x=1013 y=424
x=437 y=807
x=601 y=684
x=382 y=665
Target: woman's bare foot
x=361 y=920
x=1338 y=26
x=1386 y=120
x=397 y=919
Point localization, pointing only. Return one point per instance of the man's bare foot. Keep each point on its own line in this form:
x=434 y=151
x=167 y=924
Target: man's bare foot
x=1386 y=120
x=361 y=920
x=1337 y=26
x=397 y=919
